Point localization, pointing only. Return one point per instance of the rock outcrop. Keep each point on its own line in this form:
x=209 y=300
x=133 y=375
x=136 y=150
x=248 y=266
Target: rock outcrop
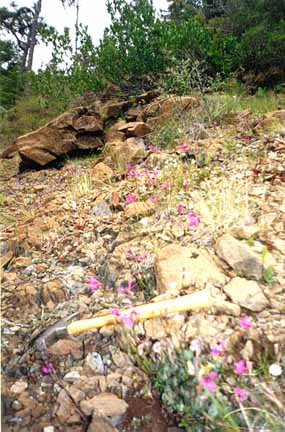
x=96 y=123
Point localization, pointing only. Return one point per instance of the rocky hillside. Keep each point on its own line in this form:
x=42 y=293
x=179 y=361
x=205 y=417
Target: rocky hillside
x=168 y=205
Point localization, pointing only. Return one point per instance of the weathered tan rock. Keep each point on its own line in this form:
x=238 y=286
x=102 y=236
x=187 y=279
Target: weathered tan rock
x=114 y=109
x=138 y=209
x=240 y=257
x=171 y=105
x=60 y=136
x=65 y=409
x=112 y=133
x=130 y=151
x=246 y=294
x=105 y=404
x=101 y=424
x=156 y=160
x=88 y=142
x=65 y=347
x=19 y=386
x=53 y=291
x=175 y=268
x=135 y=129
x=88 y=123
x=245 y=231
x=102 y=171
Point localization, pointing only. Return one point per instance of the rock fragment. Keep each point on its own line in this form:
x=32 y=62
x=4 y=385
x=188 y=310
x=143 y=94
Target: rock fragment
x=240 y=257
x=246 y=293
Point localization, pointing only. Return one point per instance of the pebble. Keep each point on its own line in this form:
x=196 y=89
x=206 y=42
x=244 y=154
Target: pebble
x=71 y=377
x=19 y=387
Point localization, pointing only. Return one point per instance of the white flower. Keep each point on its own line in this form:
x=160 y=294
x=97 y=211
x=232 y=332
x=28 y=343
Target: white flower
x=275 y=370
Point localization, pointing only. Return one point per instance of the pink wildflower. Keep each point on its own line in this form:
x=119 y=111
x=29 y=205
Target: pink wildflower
x=218 y=348
x=152 y=199
x=71 y=169
x=208 y=381
x=183 y=147
x=151 y=181
x=121 y=290
x=186 y=183
x=242 y=394
x=133 y=173
x=93 y=284
x=241 y=367
x=130 y=282
x=245 y=322
x=128 y=319
x=129 y=166
x=164 y=186
x=131 y=198
x=180 y=207
x=48 y=369
x=193 y=220
x=130 y=253
x=155 y=171
x=115 y=311
x=153 y=149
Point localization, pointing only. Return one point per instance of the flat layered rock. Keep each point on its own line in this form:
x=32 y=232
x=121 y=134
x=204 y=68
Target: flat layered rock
x=135 y=129
x=247 y=294
x=76 y=129
x=240 y=257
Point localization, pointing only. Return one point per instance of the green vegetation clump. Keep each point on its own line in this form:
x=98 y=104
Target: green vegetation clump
x=140 y=50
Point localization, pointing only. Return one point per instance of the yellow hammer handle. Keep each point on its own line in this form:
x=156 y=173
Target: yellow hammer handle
x=198 y=300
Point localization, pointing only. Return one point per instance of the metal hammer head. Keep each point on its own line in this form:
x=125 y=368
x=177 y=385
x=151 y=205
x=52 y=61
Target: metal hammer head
x=51 y=335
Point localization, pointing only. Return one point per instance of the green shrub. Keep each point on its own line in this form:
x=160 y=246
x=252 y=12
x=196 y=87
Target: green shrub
x=263 y=55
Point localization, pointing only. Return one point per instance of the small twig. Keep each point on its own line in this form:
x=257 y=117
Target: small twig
x=245 y=416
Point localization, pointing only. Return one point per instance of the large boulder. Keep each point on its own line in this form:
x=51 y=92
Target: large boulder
x=79 y=128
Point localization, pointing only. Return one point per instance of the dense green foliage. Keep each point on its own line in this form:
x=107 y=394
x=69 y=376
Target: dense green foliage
x=139 y=49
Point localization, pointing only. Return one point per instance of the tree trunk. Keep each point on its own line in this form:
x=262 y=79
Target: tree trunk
x=32 y=39
x=76 y=27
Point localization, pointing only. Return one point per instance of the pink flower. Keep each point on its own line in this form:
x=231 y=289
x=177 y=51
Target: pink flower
x=242 y=394
x=164 y=186
x=196 y=344
x=131 y=198
x=142 y=257
x=115 y=311
x=152 y=199
x=218 y=349
x=130 y=253
x=155 y=171
x=48 y=369
x=71 y=169
x=93 y=284
x=128 y=319
x=245 y=322
x=133 y=173
x=121 y=290
x=193 y=220
x=208 y=381
x=129 y=166
x=241 y=367
x=186 y=183
x=180 y=207
x=151 y=181
x=154 y=149
x=130 y=282
x=183 y=147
